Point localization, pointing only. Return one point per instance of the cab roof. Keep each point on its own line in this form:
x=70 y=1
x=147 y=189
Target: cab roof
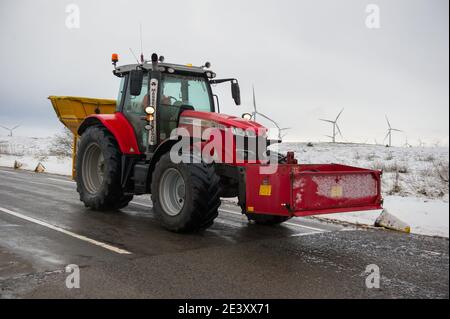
x=120 y=70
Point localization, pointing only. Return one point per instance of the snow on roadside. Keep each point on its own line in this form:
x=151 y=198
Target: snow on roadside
x=425 y=216
x=52 y=164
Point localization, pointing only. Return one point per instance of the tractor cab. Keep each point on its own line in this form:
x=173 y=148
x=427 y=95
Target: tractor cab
x=153 y=95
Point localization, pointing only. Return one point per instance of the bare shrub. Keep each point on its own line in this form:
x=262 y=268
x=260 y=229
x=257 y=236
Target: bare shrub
x=371 y=156
x=432 y=181
x=396 y=187
x=390 y=167
x=378 y=165
x=62 y=143
x=41 y=156
x=3 y=147
x=428 y=158
x=8 y=148
x=389 y=156
x=441 y=170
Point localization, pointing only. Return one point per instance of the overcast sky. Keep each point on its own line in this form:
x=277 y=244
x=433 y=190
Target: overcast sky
x=307 y=60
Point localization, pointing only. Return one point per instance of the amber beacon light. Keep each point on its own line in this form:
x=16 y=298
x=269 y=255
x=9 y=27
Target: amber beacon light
x=115 y=58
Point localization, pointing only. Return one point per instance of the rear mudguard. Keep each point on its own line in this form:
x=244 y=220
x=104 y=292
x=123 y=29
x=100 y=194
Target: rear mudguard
x=119 y=127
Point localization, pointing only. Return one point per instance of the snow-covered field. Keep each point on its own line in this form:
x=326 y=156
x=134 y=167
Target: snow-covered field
x=407 y=171
x=415 y=180
x=30 y=151
x=414 y=184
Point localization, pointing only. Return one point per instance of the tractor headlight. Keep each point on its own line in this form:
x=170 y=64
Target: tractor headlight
x=149 y=110
x=247 y=116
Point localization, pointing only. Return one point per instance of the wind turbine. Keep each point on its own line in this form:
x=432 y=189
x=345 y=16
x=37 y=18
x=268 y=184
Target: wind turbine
x=255 y=112
x=421 y=143
x=389 y=132
x=336 y=128
x=407 y=143
x=10 y=129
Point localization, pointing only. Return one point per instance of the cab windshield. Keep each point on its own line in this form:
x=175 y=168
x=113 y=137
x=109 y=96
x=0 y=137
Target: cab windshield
x=178 y=90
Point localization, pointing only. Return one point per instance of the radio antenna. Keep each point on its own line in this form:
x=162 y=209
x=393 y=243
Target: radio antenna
x=140 y=34
x=137 y=60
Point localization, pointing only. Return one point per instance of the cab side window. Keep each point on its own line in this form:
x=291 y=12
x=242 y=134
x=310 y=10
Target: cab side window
x=136 y=104
x=133 y=109
x=121 y=93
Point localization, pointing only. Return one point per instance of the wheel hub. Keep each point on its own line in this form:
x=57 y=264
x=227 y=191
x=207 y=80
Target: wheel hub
x=93 y=168
x=172 y=192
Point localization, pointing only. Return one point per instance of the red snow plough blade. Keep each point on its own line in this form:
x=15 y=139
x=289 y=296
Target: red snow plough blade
x=311 y=189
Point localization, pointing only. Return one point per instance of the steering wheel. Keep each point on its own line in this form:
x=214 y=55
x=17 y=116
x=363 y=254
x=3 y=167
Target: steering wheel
x=171 y=97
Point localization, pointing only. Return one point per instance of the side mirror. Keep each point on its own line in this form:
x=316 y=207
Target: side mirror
x=236 y=92
x=136 y=79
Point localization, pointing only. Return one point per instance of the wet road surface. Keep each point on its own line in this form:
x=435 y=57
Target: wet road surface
x=126 y=254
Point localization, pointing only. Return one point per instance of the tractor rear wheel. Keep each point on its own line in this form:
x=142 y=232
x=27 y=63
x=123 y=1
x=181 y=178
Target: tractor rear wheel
x=186 y=195
x=98 y=170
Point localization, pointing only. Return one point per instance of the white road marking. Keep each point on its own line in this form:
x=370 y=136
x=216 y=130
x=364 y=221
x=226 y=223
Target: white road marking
x=306 y=234
x=8 y=172
x=435 y=253
x=69 y=233
x=141 y=204
x=230 y=212
x=61 y=187
x=228 y=222
x=306 y=227
x=219 y=220
x=61 y=180
x=220 y=209
x=239 y=214
x=285 y=223
x=348 y=229
x=49 y=178
x=40 y=183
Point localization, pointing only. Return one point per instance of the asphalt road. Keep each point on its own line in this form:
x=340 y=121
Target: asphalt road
x=126 y=254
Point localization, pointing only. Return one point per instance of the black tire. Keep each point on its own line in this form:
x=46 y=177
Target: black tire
x=107 y=193
x=201 y=195
x=267 y=219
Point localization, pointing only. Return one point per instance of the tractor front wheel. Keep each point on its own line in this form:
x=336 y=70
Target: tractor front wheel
x=185 y=195
x=98 y=170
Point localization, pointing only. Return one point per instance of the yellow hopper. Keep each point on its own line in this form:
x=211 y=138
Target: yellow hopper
x=72 y=110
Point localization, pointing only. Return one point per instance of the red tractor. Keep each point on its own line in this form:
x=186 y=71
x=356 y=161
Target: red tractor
x=130 y=152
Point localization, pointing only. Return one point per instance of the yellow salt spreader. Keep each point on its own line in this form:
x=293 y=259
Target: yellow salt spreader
x=72 y=110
